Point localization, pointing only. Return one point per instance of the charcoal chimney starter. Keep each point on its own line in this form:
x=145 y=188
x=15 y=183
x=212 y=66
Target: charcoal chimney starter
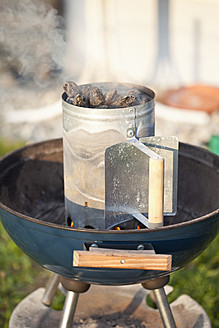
x=87 y=132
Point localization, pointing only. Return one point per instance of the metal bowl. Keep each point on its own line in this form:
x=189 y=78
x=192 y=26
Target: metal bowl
x=32 y=212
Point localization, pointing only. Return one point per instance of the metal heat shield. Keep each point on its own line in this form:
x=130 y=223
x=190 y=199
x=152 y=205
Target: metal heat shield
x=127 y=175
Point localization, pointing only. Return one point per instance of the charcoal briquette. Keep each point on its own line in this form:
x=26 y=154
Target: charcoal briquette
x=110 y=97
x=71 y=89
x=124 y=101
x=95 y=97
x=79 y=100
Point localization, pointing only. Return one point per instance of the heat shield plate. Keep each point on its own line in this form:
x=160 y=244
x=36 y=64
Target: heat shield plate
x=127 y=174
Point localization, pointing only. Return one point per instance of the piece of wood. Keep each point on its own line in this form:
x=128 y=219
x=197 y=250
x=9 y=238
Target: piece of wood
x=155 y=192
x=122 y=259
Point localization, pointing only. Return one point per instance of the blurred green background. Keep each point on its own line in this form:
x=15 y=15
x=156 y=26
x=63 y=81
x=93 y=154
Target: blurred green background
x=19 y=275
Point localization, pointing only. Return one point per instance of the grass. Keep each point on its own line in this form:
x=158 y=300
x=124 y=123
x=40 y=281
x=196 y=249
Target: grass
x=6 y=147
x=200 y=280
x=19 y=275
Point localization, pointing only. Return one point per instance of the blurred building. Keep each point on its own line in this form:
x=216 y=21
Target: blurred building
x=163 y=42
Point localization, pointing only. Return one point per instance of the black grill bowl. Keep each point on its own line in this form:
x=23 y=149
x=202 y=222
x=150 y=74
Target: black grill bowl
x=32 y=212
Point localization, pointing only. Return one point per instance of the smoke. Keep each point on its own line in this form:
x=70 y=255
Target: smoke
x=32 y=40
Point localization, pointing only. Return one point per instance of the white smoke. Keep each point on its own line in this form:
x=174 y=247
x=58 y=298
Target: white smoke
x=32 y=39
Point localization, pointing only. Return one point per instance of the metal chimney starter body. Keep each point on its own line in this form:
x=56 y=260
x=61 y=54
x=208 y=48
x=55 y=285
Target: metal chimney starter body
x=87 y=132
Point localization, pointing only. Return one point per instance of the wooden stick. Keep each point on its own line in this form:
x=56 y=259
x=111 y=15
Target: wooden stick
x=107 y=258
x=156 y=193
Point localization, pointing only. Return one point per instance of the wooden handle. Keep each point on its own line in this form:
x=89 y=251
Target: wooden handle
x=122 y=259
x=156 y=194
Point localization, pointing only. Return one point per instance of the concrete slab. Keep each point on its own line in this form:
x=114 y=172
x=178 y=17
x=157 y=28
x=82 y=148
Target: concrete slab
x=104 y=306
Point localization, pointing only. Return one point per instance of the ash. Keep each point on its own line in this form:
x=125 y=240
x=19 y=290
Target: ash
x=117 y=320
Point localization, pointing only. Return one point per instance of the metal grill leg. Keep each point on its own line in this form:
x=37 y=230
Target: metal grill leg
x=74 y=288
x=69 y=310
x=164 y=308
x=156 y=286
x=51 y=289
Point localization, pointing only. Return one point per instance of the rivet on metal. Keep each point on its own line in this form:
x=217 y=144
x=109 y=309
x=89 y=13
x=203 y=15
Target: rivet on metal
x=130 y=133
x=122 y=261
x=140 y=247
x=94 y=245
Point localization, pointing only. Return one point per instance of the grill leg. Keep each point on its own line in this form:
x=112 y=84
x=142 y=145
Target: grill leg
x=74 y=288
x=69 y=310
x=51 y=289
x=156 y=285
x=164 y=308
